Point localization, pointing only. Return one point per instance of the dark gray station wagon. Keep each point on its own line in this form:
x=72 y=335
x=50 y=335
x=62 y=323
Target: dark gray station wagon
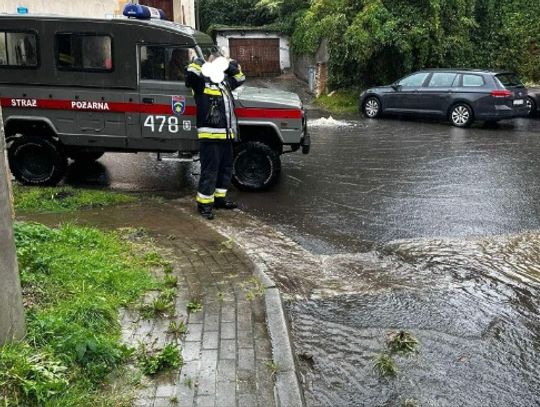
x=461 y=96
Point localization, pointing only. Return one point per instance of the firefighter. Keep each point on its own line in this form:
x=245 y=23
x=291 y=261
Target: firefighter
x=216 y=130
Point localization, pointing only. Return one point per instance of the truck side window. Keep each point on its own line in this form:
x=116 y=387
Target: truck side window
x=162 y=63
x=84 y=52
x=18 y=49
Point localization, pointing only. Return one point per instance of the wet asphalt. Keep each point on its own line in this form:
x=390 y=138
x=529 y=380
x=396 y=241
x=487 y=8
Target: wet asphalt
x=374 y=181
x=381 y=180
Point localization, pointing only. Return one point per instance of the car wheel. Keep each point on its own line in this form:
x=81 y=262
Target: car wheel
x=372 y=107
x=37 y=160
x=85 y=156
x=531 y=107
x=256 y=166
x=461 y=115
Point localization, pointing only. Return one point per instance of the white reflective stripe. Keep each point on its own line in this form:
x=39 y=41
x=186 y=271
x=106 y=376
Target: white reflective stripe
x=211 y=130
x=208 y=85
x=199 y=195
x=221 y=191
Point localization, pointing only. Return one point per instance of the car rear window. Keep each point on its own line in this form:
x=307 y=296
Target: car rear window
x=473 y=80
x=508 y=79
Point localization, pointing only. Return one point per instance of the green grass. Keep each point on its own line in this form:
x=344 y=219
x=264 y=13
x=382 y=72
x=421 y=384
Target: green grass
x=170 y=357
x=341 y=102
x=194 y=306
x=402 y=342
x=75 y=279
x=64 y=199
x=385 y=365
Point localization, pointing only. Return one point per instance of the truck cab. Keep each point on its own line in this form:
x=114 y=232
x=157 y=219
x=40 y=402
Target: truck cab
x=75 y=88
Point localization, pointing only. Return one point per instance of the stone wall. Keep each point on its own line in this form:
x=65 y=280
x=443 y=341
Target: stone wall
x=316 y=65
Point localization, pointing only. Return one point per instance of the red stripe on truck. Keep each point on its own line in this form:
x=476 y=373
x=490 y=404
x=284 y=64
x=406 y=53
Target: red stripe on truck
x=122 y=107
x=92 y=106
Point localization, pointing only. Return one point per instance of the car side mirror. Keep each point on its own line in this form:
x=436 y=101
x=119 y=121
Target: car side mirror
x=396 y=87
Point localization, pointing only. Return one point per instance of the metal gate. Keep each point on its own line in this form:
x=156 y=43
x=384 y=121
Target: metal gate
x=258 y=57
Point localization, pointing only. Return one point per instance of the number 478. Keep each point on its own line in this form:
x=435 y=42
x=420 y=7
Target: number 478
x=157 y=123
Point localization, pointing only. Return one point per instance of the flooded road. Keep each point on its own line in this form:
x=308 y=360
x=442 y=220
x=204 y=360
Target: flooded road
x=473 y=306
x=377 y=181
x=391 y=225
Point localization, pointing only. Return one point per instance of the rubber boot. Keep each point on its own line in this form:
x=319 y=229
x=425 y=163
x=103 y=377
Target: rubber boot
x=206 y=211
x=223 y=203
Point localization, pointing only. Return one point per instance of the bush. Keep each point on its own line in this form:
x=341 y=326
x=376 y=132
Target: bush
x=378 y=41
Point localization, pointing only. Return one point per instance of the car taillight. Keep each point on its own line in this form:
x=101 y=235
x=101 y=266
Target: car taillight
x=501 y=93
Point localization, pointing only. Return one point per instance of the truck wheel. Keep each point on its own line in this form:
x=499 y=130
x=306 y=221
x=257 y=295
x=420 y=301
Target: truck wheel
x=256 y=166
x=37 y=160
x=85 y=156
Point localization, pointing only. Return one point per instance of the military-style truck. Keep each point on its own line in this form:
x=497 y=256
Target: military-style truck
x=77 y=88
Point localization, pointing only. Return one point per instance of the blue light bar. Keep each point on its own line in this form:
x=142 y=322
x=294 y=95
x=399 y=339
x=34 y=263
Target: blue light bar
x=143 y=12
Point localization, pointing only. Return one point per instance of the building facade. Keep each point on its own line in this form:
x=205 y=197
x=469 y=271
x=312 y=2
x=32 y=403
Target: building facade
x=180 y=11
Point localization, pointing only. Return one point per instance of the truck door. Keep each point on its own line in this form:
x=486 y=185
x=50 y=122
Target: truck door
x=166 y=105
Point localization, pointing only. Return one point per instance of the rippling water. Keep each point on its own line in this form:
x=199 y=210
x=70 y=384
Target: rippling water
x=474 y=306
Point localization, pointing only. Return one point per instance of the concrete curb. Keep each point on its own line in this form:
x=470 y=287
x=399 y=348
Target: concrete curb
x=287 y=388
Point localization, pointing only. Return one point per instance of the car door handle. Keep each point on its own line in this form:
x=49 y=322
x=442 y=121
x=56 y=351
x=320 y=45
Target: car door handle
x=148 y=100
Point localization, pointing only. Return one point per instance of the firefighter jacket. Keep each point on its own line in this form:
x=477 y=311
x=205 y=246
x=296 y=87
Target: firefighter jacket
x=216 y=120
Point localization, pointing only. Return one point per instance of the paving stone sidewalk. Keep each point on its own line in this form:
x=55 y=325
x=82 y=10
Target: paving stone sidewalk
x=227 y=351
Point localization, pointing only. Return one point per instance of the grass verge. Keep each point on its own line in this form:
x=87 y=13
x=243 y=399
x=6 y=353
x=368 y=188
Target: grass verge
x=64 y=199
x=340 y=101
x=74 y=280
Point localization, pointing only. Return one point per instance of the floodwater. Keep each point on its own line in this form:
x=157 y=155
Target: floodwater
x=394 y=225
x=473 y=306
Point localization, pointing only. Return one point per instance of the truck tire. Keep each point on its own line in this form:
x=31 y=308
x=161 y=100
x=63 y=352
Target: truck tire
x=85 y=156
x=256 y=166
x=37 y=160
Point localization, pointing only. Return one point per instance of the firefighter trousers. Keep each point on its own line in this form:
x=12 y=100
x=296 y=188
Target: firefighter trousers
x=216 y=170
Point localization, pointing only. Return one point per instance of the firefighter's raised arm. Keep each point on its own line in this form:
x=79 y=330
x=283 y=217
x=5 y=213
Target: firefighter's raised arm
x=235 y=75
x=194 y=76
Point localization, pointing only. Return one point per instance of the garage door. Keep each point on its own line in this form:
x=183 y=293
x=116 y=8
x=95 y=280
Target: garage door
x=258 y=57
